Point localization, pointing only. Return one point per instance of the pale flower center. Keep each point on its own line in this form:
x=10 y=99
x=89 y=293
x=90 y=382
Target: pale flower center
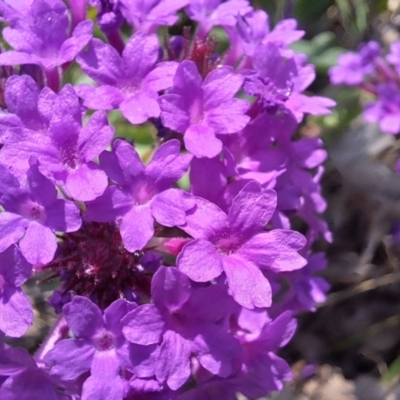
x=103 y=341
x=227 y=242
x=33 y=211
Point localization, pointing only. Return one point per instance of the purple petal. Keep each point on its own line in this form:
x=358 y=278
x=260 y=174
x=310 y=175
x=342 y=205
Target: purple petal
x=174 y=360
x=276 y=250
x=21 y=95
x=70 y=358
x=139 y=107
x=200 y=140
x=114 y=313
x=105 y=97
x=87 y=182
x=201 y=305
x=95 y=136
x=220 y=86
x=137 y=228
x=279 y=332
x=161 y=77
x=41 y=188
x=200 y=261
x=167 y=164
x=217 y=349
x=39 y=244
x=111 y=204
x=104 y=382
x=248 y=285
x=144 y=325
x=229 y=117
x=13 y=57
x=14 y=269
x=101 y=62
x=79 y=39
x=63 y=216
x=139 y=359
x=122 y=165
x=21 y=39
x=83 y=317
x=16 y=313
x=140 y=55
x=251 y=209
x=170 y=289
x=187 y=78
x=205 y=220
x=169 y=207
x=55 y=106
x=174 y=112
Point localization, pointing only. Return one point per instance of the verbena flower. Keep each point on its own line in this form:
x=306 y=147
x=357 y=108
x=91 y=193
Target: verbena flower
x=42 y=36
x=130 y=82
x=200 y=110
x=32 y=216
x=142 y=193
x=238 y=245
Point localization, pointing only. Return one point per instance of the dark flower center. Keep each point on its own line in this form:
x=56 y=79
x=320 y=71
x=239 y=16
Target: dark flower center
x=93 y=262
x=104 y=341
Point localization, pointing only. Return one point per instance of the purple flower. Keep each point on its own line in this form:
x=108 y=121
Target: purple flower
x=130 y=82
x=32 y=215
x=25 y=380
x=238 y=245
x=252 y=29
x=272 y=80
x=254 y=149
x=386 y=109
x=352 y=67
x=109 y=15
x=186 y=321
x=41 y=37
x=201 y=110
x=394 y=56
x=67 y=149
x=99 y=346
x=210 y=13
x=262 y=370
x=147 y=15
x=306 y=289
x=21 y=96
x=300 y=104
x=143 y=193
x=15 y=308
x=11 y=9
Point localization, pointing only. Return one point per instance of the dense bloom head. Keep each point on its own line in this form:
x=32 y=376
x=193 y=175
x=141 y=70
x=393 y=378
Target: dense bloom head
x=187 y=231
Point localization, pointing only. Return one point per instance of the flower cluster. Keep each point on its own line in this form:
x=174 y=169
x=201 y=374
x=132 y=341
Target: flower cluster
x=379 y=76
x=166 y=290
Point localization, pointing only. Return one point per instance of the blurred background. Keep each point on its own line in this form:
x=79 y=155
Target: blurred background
x=350 y=347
